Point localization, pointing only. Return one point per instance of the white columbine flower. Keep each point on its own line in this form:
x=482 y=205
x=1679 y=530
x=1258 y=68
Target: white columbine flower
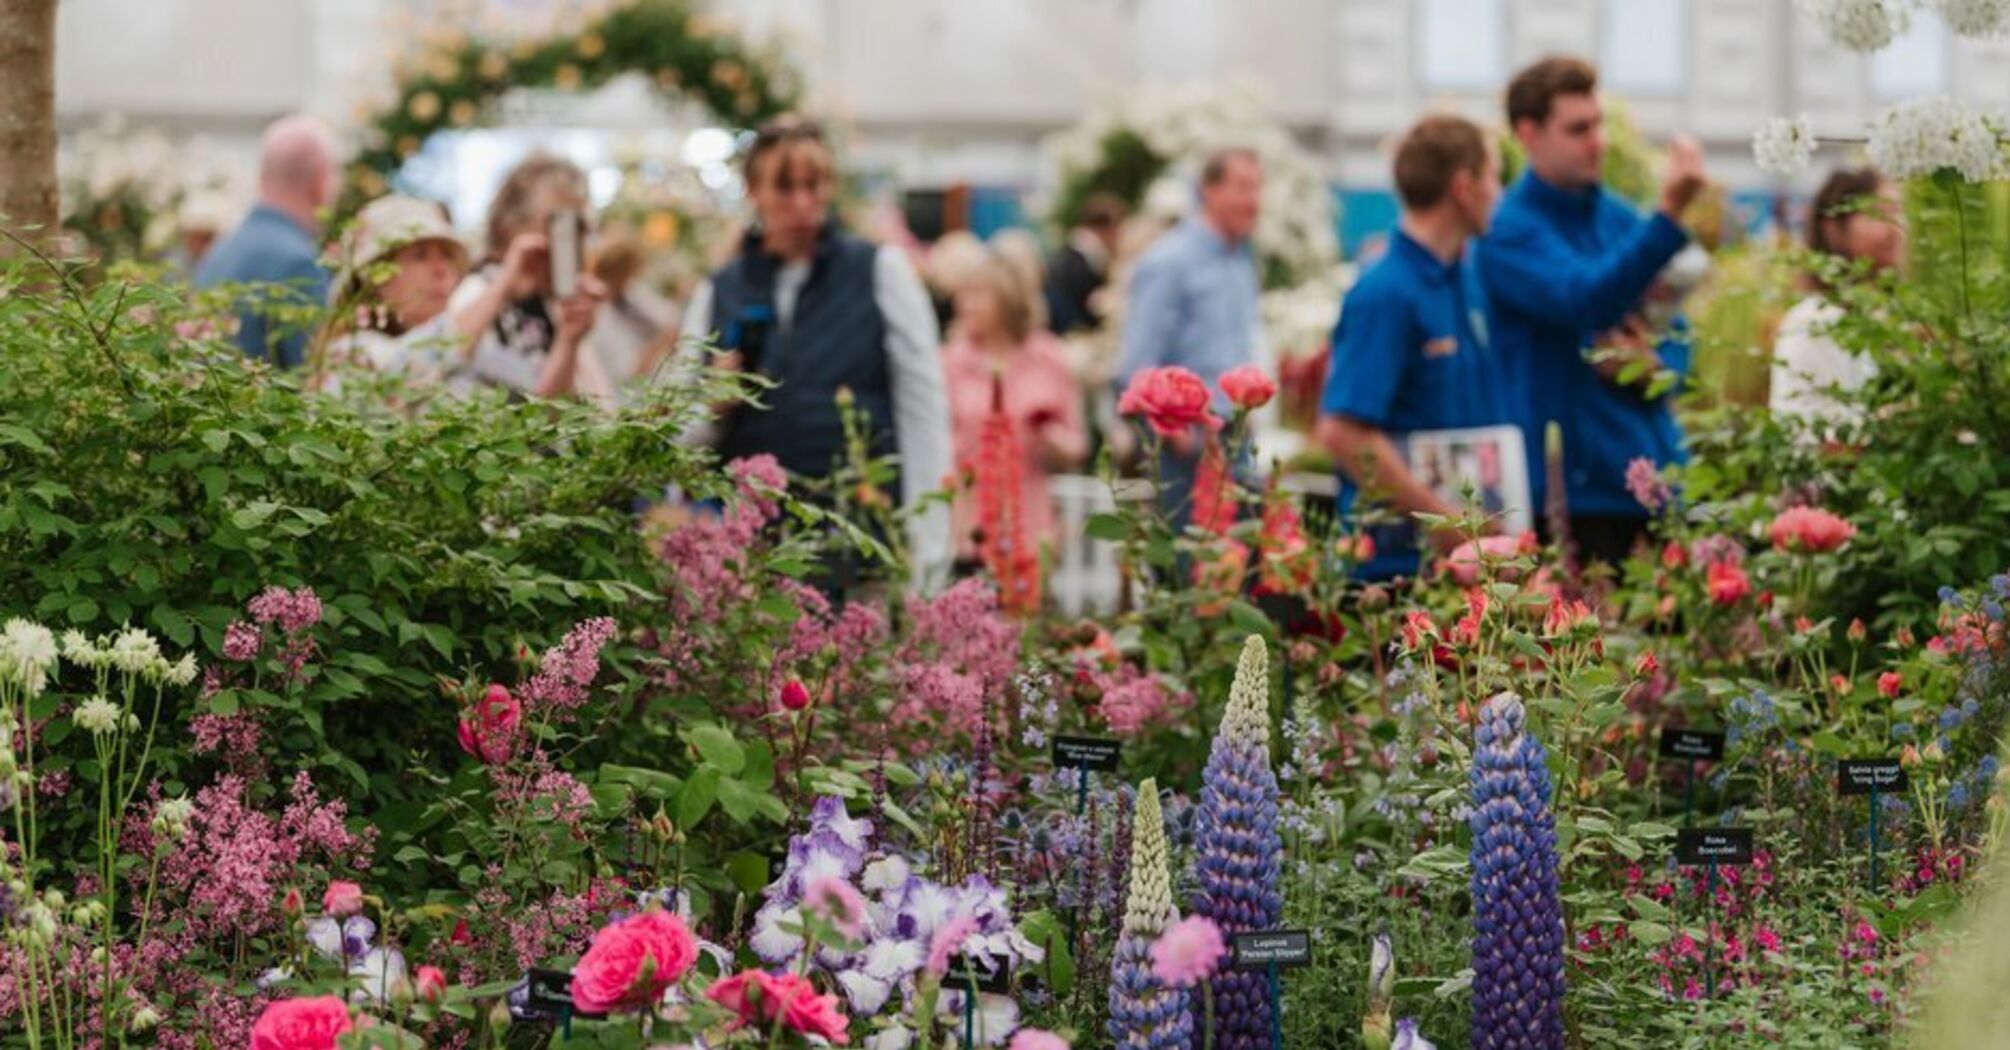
x=1860 y=25
x=1784 y=147
x=27 y=652
x=97 y=716
x=171 y=818
x=1924 y=135
x=182 y=671
x=1976 y=18
x=134 y=650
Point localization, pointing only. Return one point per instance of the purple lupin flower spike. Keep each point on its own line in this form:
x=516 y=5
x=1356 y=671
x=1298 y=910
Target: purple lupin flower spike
x=1517 y=918
x=1238 y=848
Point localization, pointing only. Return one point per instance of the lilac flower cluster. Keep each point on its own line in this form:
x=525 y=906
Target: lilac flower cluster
x=1517 y=918
x=904 y=914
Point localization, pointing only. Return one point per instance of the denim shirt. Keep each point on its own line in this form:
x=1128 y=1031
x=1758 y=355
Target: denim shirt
x=268 y=247
x=1193 y=303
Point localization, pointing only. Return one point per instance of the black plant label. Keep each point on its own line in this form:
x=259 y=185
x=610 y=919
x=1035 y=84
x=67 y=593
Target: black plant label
x=1286 y=949
x=545 y=995
x=964 y=972
x=1861 y=776
x=1695 y=745
x=1095 y=754
x=1718 y=846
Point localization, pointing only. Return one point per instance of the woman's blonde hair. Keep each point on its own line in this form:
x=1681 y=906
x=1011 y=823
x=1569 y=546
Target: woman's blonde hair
x=511 y=211
x=997 y=275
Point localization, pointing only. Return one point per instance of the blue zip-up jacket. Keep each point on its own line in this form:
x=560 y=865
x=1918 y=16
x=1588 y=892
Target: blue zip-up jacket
x=1563 y=266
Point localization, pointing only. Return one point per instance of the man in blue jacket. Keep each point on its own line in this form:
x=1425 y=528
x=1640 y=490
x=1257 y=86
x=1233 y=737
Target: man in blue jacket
x=1412 y=350
x=1567 y=265
x=278 y=243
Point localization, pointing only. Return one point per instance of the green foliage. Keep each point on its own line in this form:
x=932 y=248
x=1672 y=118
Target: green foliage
x=1129 y=168
x=163 y=481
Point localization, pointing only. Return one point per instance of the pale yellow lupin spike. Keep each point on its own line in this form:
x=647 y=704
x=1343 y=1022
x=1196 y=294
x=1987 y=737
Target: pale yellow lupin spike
x=1247 y=720
x=1149 y=908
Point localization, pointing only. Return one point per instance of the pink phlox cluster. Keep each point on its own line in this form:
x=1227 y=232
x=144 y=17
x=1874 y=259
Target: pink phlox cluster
x=1133 y=700
x=961 y=650
x=568 y=668
x=823 y=648
x=227 y=875
x=242 y=641
x=233 y=738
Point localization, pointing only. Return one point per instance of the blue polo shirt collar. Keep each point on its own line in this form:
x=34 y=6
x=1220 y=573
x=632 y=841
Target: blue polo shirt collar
x=1422 y=261
x=1554 y=198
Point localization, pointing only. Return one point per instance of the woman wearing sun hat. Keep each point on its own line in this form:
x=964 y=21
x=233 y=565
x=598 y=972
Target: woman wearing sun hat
x=403 y=263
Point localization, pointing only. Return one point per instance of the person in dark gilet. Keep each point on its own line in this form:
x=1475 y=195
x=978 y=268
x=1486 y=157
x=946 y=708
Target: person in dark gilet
x=817 y=310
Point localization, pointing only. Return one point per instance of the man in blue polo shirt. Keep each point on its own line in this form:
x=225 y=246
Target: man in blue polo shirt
x=1411 y=351
x=1567 y=265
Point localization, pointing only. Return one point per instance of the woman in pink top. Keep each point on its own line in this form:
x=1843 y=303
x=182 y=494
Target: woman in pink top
x=997 y=333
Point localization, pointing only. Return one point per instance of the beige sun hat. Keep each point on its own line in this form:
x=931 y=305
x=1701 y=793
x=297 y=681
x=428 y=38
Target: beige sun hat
x=390 y=223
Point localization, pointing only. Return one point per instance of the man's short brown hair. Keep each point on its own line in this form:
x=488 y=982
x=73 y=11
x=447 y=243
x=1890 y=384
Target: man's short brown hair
x=795 y=142
x=1215 y=167
x=1534 y=90
x=1435 y=149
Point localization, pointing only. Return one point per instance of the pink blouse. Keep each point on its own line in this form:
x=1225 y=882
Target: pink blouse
x=1043 y=399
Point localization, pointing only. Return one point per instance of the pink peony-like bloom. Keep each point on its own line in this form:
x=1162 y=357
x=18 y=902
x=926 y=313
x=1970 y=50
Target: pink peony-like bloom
x=1188 y=952
x=1889 y=683
x=301 y=1024
x=838 y=903
x=948 y=940
x=757 y=998
x=1035 y=1039
x=631 y=963
x=489 y=729
x=1810 y=530
x=1727 y=582
x=342 y=898
x=1248 y=387
x=430 y=983
x=1173 y=400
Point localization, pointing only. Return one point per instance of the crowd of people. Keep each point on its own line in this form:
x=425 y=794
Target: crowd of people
x=1495 y=314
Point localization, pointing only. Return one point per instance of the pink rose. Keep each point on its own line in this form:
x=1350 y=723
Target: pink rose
x=631 y=963
x=1810 y=529
x=300 y=1024
x=1889 y=683
x=1466 y=560
x=757 y=998
x=1035 y=1039
x=1173 y=400
x=489 y=729
x=1248 y=387
x=1727 y=582
x=743 y=993
x=431 y=984
x=342 y=898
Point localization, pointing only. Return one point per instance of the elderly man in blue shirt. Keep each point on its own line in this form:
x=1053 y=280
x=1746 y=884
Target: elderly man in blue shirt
x=1411 y=351
x=1568 y=265
x=277 y=243
x=1193 y=302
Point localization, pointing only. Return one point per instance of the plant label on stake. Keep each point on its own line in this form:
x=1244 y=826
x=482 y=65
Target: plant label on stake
x=1712 y=847
x=1870 y=776
x=1271 y=951
x=545 y=996
x=1084 y=755
x=1691 y=746
x=970 y=977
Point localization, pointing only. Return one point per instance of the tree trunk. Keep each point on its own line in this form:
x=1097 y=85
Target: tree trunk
x=28 y=116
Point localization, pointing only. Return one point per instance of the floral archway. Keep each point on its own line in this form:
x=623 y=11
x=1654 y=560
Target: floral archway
x=455 y=80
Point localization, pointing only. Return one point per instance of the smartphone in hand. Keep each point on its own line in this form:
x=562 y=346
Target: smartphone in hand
x=566 y=252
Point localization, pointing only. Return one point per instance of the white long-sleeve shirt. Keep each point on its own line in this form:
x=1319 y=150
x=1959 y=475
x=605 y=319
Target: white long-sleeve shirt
x=920 y=398
x=1809 y=366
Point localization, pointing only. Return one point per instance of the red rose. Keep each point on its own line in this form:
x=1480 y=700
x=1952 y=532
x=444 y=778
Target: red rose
x=1248 y=387
x=1888 y=684
x=1810 y=529
x=300 y=1024
x=1172 y=400
x=631 y=963
x=489 y=729
x=1728 y=583
x=795 y=695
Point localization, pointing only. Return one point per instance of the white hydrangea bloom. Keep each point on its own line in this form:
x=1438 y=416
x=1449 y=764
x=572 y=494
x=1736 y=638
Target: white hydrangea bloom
x=1860 y=25
x=1924 y=135
x=1974 y=18
x=97 y=716
x=1784 y=146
